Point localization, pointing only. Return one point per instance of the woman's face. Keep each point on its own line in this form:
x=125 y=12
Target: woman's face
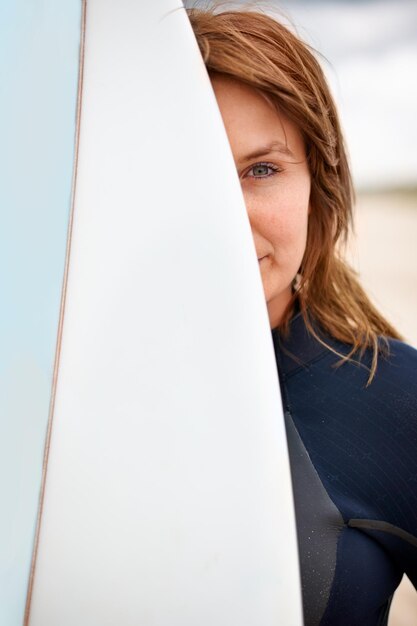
x=271 y=163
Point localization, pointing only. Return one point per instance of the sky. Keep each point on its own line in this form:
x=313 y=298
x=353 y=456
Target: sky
x=371 y=52
x=371 y=48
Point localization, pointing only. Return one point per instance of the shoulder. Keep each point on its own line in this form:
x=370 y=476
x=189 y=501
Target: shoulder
x=301 y=351
x=317 y=373
x=396 y=373
x=400 y=362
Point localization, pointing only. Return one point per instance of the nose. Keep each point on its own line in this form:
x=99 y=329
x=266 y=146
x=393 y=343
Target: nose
x=255 y=223
x=250 y=208
x=261 y=244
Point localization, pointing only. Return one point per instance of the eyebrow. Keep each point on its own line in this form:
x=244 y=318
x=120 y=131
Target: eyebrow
x=274 y=146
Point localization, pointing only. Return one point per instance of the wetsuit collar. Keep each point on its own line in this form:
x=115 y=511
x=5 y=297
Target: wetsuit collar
x=299 y=347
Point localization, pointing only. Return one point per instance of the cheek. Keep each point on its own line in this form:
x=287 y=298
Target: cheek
x=294 y=218
x=288 y=228
x=280 y=215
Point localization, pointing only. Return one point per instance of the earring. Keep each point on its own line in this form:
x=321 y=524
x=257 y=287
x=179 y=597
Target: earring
x=296 y=283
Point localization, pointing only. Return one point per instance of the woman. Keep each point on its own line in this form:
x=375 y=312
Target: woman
x=348 y=383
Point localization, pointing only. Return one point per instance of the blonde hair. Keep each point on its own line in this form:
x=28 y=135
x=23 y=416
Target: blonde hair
x=258 y=50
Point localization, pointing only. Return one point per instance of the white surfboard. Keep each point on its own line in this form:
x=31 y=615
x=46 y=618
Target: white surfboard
x=167 y=496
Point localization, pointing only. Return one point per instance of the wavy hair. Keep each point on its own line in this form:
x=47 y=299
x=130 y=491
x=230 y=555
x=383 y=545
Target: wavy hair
x=256 y=49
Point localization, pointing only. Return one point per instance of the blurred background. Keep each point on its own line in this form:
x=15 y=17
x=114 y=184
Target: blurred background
x=368 y=50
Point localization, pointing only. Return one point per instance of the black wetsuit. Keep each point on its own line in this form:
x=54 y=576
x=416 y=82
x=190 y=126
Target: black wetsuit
x=353 y=453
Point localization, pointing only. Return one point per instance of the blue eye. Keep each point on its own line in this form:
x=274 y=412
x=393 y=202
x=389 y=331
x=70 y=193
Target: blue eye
x=262 y=170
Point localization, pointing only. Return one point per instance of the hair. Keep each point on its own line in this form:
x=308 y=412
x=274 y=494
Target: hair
x=257 y=50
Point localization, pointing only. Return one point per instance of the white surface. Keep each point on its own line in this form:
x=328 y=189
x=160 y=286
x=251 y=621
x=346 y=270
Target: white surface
x=168 y=496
